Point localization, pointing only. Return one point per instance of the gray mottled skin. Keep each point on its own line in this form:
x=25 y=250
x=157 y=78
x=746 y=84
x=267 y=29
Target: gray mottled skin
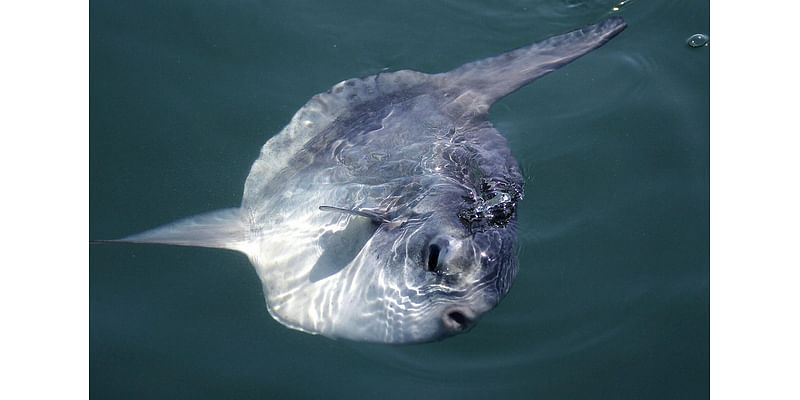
x=385 y=210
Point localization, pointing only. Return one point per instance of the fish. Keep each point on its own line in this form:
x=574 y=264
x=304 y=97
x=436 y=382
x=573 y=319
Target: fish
x=385 y=210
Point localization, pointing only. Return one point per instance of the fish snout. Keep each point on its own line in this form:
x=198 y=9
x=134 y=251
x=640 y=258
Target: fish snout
x=459 y=319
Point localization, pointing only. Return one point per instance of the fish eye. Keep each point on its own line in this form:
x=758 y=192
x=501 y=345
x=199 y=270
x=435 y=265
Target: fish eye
x=433 y=257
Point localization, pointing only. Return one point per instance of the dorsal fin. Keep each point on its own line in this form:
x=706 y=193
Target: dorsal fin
x=483 y=82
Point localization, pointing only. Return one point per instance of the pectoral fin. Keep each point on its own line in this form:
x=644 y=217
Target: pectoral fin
x=377 y=217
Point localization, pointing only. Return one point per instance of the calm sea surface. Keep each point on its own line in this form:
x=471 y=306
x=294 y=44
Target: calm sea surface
x=612 y=297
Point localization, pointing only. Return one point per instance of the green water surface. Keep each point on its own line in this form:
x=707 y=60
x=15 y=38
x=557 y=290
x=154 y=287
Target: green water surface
x=612 y=297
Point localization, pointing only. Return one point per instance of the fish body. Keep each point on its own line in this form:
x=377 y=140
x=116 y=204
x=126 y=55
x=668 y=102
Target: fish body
x=385 y=211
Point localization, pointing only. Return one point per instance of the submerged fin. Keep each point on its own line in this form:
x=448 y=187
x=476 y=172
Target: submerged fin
x=490 y=79
x=224 y=229
x=361 y=213
x=340 y=248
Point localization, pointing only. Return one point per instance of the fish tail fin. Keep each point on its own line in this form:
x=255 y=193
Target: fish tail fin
x=225 y=229
x=490 y=79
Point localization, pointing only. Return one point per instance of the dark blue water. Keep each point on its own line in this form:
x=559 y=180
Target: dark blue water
x=612 y=298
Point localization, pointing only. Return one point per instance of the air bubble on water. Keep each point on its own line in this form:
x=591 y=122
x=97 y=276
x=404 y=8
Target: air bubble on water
x=697 y=40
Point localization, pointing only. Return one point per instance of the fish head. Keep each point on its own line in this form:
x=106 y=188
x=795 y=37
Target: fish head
x=449 y=263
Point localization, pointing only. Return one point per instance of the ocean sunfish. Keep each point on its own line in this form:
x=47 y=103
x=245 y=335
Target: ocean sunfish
x=385 y=211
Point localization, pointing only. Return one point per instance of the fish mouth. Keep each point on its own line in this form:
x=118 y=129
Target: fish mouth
x=459 y=319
